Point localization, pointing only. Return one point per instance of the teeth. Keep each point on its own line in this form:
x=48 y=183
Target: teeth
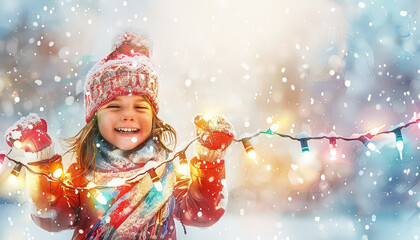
x=127 y=130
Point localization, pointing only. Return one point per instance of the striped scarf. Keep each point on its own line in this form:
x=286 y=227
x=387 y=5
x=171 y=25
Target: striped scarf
x=135 y=207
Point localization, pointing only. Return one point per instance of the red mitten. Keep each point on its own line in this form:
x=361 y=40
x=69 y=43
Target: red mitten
x=216 y=134
x=30 y=134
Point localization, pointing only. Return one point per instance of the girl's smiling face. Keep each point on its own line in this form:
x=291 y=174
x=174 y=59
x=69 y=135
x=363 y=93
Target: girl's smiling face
x=126 y=121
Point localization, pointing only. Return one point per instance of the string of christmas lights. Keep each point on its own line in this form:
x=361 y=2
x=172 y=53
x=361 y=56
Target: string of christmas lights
x=364 y=138
x=56 y=169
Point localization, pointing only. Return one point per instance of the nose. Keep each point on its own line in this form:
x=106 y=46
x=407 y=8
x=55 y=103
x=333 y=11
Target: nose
x=127 y=117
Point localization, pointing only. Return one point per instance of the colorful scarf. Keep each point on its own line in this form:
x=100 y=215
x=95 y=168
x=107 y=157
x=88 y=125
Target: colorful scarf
x=132 y=208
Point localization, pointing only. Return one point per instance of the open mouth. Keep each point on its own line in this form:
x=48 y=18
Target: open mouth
x=127 y=130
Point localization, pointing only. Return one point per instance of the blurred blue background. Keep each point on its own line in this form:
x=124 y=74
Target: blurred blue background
x=313 y=66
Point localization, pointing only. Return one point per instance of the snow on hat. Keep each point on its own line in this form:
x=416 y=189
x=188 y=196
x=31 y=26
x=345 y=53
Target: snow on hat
x=127 y=70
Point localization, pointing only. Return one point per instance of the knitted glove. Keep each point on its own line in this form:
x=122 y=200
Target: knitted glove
x=215 y=135
x=30 y=134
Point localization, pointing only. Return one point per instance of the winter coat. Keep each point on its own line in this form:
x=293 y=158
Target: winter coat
x=198 y=201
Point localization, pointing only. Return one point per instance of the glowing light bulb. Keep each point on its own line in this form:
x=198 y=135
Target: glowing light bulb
x=399 y=139
x=375 y=131
x=183 y=164
x=100 y=198
x=304 y=145
x=12 y=179
x=158 y=186
x=17 y=144
x=250 y=150
x=15 y=173
x=306 y=155
x=333 y=148
x=274 y=127
x=183 y=169
x=56 y=167
x=253 y=155
x=156 y=180
x=368 y=143
x=57 y=173
x=371 y=146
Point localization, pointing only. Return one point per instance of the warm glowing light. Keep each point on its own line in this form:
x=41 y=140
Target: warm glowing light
x=183 y=169
x=56 y=167
x=375 y=131
x=15 y=173
x=183 y=164
x=333 y=149
x=274 y=127
x=253 y=155
x=306 y=155
x=156 y=180
x=100 y=198
x=250 y=150
x=17 y=144
x=57 y=173
x=12 y=179
x=158 y=186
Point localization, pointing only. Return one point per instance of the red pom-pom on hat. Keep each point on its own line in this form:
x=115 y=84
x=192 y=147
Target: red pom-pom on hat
x=130 y=44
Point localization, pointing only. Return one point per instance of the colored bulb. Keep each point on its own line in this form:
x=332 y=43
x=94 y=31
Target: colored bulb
x=274 y=128
x=400 y=145
x=306 y=155
x=374 y=131
x=333 y=148
x=100 y=198
x=183 y=164
x=156 y=180
x=12 y=179
x=158 y=186
x=250 y=150
x=399 y=141
x=368 y=143
x=183 y=169
x=371 y=146
x=252 y=155
x=304 y=145
x=57 y=173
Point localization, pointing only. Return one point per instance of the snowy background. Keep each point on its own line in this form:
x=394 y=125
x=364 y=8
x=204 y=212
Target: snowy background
x=313 y=66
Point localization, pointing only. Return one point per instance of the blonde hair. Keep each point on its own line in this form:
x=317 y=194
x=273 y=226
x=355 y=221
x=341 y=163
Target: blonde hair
x=83 y=143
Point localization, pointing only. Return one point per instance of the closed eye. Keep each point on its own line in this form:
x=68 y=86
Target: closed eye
x=113 y=106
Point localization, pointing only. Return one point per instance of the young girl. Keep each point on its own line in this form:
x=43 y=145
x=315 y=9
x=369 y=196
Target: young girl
x=121 y=184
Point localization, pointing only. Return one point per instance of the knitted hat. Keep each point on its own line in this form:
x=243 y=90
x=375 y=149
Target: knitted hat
x=127 y=70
